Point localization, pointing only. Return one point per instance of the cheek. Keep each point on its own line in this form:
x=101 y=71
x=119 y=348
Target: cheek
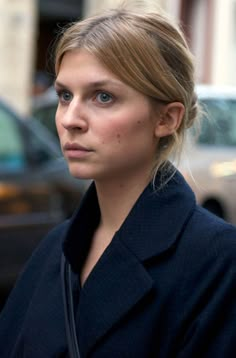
x=114 y=138
x=118 y=137
x=125 y=134
x=125 y=129
x=58 y=123
x=56 y=118
x=135 y=128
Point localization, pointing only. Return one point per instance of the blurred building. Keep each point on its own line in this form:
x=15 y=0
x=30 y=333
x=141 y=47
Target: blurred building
x=210 y=27
x=28 y=29
x=53 y=15
x=17 y=51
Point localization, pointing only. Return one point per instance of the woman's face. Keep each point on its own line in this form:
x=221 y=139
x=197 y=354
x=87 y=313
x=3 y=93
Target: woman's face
x=106 y=128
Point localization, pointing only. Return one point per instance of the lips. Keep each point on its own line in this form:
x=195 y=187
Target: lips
x=76 y=151
x=75 y=146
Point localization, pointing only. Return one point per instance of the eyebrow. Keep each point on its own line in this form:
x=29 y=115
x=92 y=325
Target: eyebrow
x=92 y=84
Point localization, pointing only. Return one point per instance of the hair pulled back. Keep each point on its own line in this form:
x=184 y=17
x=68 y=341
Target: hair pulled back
x=148 y=52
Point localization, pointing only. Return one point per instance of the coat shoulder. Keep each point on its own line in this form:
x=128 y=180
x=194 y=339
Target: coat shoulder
x=212 y=232
x=208 y=274
x=208 y=247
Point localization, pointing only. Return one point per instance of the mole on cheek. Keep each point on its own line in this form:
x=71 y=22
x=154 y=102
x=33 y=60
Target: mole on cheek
x=118 y=137
x=138 y=122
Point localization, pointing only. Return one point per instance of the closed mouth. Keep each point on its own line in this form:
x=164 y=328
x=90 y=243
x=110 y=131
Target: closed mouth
x=75 y=146
x=75 y=151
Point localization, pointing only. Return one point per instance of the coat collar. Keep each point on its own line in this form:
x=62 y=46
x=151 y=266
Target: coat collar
x=152 y=226
x=158 y=218
x=120 y=279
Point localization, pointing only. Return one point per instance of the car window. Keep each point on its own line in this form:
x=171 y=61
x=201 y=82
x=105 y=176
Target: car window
x=46 y=115
x=12 y=155
x=218 y=126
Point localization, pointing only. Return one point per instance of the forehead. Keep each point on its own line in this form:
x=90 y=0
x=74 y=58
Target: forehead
x=83 y=64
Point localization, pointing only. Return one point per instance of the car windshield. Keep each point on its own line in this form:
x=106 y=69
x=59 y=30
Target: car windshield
x=46 y=115
x=218 y=124
x=12 y=155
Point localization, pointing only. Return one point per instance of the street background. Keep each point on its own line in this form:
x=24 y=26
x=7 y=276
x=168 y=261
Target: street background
x=29 y=27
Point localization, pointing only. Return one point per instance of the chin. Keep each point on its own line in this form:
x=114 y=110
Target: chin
x=79 y=171
x=80 y=175
x=88 y=172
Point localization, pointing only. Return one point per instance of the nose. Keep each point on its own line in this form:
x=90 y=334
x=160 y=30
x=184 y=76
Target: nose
x=74 y=117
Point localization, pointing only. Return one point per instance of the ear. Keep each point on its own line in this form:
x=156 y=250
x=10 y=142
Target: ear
x=170 y=118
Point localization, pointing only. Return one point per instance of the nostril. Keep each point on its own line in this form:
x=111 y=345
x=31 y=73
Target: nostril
x=75 y=125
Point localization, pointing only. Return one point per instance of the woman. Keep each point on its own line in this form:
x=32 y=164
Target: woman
x=139 y=270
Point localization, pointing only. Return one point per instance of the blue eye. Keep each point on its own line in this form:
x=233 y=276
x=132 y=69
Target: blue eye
x=64 y=96
x=104 y=97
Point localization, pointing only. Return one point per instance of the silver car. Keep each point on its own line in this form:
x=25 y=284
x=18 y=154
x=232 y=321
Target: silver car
x=209 y=162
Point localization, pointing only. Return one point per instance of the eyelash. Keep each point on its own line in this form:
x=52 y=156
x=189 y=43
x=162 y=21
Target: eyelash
x=100 y=92
x=60 y=93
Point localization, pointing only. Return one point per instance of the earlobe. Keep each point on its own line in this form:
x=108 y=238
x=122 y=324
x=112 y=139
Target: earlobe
x=170 y=119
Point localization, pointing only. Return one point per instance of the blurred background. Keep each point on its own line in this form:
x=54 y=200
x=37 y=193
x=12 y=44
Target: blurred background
x=28 y=29
x=36 y=190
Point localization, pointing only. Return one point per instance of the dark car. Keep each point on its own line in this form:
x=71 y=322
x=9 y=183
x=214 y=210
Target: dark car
x=44 y=109
x=36 y=190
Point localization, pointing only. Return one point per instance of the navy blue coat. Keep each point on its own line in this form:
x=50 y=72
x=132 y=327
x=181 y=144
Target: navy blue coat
x=164 y=287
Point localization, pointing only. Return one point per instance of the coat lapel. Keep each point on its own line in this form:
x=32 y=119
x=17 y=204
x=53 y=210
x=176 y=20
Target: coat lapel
x=117 y=283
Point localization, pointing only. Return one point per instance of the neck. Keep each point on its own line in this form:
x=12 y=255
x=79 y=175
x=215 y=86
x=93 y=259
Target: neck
x=116 y=199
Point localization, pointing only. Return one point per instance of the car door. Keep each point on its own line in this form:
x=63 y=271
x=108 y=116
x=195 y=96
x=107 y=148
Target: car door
x=29 y=203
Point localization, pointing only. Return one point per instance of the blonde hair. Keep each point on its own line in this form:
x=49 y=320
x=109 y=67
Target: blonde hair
x=148 y=52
